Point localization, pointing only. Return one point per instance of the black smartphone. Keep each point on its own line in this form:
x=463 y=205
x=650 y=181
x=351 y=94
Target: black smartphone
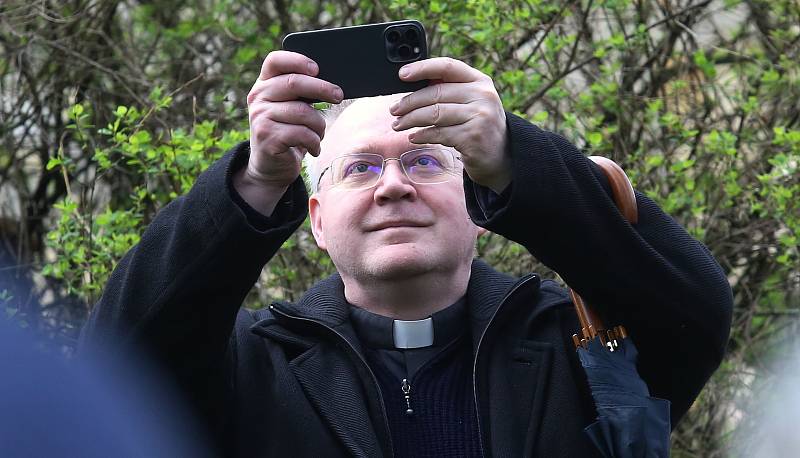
x=364 y=60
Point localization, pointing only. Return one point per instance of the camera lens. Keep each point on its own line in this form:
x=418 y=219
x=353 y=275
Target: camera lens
x=392 y=36
x=404 y=51
x=412 y=36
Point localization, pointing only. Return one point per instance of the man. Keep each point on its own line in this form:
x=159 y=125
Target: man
x=413 y=348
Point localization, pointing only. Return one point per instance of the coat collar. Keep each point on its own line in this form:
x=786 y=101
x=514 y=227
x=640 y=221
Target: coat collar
x=325 y=302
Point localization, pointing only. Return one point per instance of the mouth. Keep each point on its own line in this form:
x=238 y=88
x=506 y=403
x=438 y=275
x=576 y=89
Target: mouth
x=395 y=224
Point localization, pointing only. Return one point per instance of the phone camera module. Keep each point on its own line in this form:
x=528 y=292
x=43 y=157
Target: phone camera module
x=403 y=43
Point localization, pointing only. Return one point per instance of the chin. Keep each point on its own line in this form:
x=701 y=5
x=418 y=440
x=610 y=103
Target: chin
x=398 y=263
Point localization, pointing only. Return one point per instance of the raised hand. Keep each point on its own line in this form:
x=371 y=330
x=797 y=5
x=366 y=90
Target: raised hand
x=461 y=109
x=282 y=126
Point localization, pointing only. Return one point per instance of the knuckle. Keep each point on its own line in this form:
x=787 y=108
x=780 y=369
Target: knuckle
x=437 y=113
x=269 y=61
x=291 y=81
x=307 y=136
x=326 y=88
x=255 y=91
x=301 y=135
x=254 y=113
x=261 y=133
x=489 y=93
x=405 y=102
x=313 y=140
x=265 y=122
x=318 y=124
x=483 y=112
x=296 y=111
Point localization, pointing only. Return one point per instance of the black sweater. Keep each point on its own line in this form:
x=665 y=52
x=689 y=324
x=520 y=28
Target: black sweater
x=291 y=380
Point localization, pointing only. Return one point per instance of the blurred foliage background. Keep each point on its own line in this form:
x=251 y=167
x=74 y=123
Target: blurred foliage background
x=110 y=108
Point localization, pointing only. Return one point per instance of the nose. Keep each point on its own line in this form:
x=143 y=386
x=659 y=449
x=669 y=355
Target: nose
x=394 y=184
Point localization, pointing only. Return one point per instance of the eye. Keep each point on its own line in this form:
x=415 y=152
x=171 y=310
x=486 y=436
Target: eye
x=357 y=168
x=426 y=161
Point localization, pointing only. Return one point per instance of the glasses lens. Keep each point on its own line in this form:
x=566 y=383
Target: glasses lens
x=355 y=171
x=428 y=165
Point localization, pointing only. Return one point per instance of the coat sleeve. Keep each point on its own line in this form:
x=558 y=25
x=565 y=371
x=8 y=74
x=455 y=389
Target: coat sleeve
x=653 y=277
x=177 y=293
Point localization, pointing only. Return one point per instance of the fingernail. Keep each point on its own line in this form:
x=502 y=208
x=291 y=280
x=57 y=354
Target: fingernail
x=312 y=68
x=396 y=123
x=393 y=108
x=338 y=94
x=404 y=72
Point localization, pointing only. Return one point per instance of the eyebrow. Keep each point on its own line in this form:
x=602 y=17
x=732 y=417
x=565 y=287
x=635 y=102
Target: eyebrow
x=366 y=147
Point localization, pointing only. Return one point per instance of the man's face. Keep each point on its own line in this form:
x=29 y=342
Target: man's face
x=396 y=229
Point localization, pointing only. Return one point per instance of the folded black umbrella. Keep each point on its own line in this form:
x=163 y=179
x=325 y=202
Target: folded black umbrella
x=630 y=423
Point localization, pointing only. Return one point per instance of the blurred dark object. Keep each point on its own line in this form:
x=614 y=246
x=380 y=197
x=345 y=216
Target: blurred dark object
x=94 y=407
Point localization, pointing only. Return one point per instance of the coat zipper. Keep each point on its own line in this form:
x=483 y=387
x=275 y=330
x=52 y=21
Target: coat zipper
x=361 y=358
x=405 y=385
x=513 y=290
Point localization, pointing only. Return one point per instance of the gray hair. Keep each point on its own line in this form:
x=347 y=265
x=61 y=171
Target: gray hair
x=311 y=163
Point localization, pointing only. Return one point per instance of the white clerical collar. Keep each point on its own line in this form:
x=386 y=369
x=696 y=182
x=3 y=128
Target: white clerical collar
x=413 y=334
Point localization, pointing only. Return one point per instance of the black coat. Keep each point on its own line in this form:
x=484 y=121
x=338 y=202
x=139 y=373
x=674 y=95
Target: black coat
x=290 y=379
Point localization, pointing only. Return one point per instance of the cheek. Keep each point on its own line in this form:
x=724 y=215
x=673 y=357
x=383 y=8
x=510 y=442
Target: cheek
x=453 y=206
x=341 y=219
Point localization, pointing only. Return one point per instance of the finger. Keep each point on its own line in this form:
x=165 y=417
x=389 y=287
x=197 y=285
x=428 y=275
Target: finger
x=438 y=93
x=279 y=137
x=294 y=112
x=281 y=62
x=438 y=114
x=435 y=136
x=294 y=86
x=446 y=69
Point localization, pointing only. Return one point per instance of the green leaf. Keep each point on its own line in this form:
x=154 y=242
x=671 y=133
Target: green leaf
x=770 y=76
x=53 y=162
x=702 y=61
x=595 y=139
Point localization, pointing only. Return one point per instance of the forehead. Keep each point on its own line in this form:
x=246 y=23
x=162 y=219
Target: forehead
x=366 y=125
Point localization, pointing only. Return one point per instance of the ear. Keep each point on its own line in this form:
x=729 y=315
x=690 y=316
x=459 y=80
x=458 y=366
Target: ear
x=315 y=212
x=482 y=231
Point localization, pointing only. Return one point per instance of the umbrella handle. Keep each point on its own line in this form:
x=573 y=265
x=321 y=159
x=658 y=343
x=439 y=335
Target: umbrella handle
x=625 y=199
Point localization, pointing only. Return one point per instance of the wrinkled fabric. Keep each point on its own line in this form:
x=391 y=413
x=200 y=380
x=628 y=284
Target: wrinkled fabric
x=630 y=423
